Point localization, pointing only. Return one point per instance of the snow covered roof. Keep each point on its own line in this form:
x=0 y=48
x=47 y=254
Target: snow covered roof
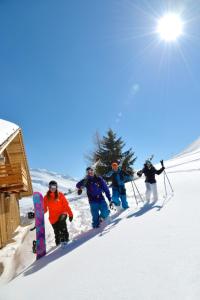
x=6 y=130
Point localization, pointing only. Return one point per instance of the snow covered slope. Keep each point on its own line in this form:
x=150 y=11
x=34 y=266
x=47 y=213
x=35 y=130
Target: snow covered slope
x=141 y=253
x=194 y=147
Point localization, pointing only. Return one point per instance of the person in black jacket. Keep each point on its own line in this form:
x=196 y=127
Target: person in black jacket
x=151 y=187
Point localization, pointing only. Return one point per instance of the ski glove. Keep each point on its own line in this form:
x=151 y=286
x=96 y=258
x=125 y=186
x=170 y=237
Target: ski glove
x=162 y=164
x=79 y=192
x=111 y=205
x=139 y=173
x=70 y=218
x=62 y=218
x=34 y=247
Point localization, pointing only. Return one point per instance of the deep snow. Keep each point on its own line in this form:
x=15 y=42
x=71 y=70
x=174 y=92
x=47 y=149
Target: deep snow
x=140 y=253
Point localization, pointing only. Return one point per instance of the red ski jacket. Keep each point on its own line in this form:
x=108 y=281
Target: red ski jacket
x=56 y=207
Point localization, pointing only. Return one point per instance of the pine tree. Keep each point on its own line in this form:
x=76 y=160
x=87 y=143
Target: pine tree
x=109 y=149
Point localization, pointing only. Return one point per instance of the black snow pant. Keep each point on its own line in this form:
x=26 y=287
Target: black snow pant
x=60 y=231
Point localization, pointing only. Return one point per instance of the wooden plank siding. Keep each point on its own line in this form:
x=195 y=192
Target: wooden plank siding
x=3 y=230
x=9 y=217
x=13 y=174
x=16 y=154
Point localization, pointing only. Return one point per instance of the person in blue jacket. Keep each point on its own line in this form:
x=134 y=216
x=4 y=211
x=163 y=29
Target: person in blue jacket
x=95 y=186
x=119 y=177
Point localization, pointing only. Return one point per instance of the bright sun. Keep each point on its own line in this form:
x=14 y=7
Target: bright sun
x=170 y=27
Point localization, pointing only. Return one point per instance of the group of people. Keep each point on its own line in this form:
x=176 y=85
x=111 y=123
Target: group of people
x=56 y=203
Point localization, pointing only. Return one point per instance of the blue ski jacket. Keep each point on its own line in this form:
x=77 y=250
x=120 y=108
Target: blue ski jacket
x=95 y=186
x=119 y=178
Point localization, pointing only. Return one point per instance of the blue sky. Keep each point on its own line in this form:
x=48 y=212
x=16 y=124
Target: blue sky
x=71 y=68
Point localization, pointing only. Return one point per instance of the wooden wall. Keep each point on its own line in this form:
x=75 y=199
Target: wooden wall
x=9 y=217
x=13 y=152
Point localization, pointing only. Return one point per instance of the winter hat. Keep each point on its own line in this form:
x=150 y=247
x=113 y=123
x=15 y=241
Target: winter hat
x=53 y=182
x=89 y=168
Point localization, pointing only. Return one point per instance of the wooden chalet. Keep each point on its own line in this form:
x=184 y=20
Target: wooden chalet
x=15 y=180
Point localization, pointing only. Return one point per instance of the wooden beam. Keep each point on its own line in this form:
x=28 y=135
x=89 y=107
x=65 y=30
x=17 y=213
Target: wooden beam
x=10 y=166
x=18 y=188
x=11 y=179
x=14 y=156
x=3 y=229
x=30 y=188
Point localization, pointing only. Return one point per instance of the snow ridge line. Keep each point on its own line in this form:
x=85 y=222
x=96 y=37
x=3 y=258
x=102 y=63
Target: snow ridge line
x=186 y=162
x=183 y=171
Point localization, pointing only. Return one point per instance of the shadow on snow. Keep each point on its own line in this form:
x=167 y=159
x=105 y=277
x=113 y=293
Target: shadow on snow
x=56 y=252
x=144 y=209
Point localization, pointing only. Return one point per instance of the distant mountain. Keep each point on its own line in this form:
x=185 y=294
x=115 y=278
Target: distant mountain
x=41 y=177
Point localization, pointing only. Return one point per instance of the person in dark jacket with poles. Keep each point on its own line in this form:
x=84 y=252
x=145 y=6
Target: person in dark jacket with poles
x=95 y=186
x=151 y=187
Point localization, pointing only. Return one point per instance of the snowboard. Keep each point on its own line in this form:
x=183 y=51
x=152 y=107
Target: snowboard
x=40 y=247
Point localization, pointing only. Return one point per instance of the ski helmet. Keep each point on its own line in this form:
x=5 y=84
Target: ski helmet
x=53 y=183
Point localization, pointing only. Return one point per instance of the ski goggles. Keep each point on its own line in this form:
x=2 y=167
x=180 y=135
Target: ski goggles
x=53 y=187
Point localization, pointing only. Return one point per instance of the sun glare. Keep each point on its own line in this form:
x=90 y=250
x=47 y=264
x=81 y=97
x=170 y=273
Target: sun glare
x=170 y=27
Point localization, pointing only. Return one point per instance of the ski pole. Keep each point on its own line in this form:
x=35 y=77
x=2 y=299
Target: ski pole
x=165 y=185
x=168 y=181
x=134 y=193
x=138 y=191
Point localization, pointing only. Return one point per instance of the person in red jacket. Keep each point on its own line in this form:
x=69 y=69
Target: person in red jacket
x=58 y=207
